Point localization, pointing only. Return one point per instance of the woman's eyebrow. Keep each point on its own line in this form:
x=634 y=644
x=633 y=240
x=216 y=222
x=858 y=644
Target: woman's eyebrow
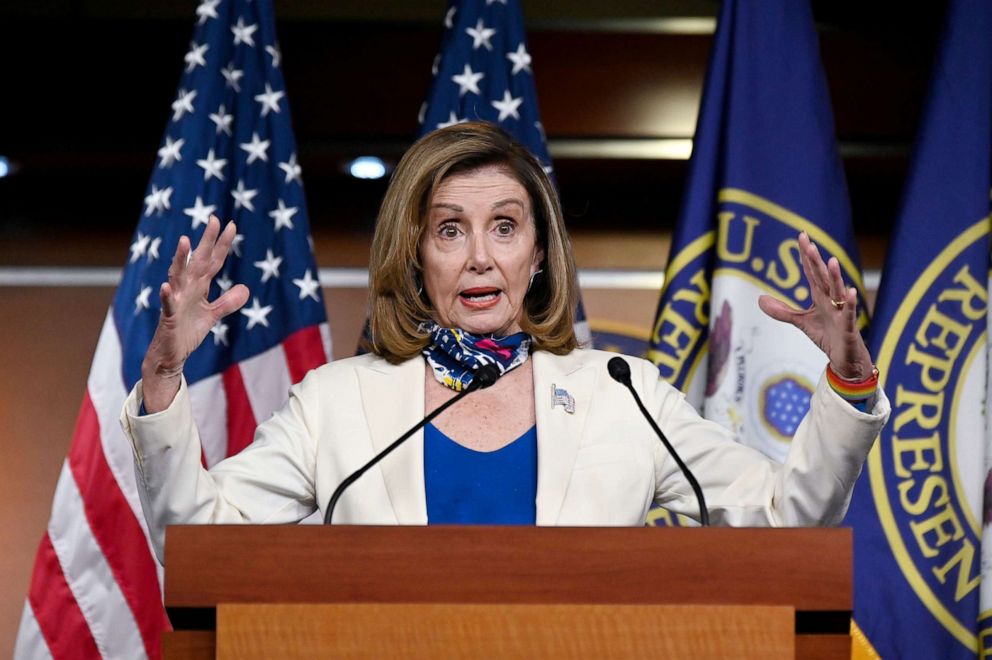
x=508 y=201
x=445 y=205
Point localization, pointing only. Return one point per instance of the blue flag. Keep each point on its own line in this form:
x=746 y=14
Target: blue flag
x=484 y=72
x=922 y=506
x=764 y=167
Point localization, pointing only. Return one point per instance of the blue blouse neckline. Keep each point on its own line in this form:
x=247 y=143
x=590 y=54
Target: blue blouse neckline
x=467 y=486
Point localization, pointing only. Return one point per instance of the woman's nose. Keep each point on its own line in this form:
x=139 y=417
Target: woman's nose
x=480 y=257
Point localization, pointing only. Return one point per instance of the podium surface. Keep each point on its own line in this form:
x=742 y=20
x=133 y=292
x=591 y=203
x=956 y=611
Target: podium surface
x=806 y=571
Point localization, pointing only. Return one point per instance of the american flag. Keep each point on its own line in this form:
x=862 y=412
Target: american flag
x=484 y=72
x=228 y=149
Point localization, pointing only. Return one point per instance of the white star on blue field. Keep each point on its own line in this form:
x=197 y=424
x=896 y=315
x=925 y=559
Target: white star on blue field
x=786 y=403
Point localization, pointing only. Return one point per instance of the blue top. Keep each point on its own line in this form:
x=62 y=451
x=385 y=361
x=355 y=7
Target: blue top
x=471 y=487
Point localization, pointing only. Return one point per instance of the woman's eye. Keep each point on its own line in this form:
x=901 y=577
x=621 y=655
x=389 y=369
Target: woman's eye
x=505 y=228
x=448 y=231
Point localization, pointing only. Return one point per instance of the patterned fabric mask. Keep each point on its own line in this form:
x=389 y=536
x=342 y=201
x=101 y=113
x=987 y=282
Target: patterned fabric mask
x=454 y=355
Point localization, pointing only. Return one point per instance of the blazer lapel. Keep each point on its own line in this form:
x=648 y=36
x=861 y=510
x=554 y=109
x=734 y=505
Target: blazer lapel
x=393 y=401
x=559 y=433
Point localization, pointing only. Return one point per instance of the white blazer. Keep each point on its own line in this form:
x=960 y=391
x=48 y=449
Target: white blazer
x=601 y=465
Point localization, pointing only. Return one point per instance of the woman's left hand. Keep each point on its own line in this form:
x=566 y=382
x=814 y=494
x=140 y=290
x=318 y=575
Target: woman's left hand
x=832 y=320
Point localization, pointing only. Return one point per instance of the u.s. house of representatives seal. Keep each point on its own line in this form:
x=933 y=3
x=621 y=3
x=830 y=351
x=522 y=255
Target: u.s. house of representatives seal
x=928 y=471
x=752 y=374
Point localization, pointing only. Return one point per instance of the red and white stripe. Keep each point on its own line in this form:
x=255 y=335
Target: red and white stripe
x=96 y=586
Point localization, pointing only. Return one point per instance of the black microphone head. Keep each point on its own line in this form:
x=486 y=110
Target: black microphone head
x=484 y=376
x=619 y=370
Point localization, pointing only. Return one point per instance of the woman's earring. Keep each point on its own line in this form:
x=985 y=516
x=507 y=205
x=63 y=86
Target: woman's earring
x=532 y=278
x=419 y=283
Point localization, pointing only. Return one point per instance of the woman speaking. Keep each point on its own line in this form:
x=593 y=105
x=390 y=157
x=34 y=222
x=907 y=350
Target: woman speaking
x=471 y=265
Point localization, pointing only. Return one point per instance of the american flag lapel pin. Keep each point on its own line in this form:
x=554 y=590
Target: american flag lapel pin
x=561 y=397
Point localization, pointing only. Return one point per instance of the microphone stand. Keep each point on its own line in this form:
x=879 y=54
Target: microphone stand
x=620 y=372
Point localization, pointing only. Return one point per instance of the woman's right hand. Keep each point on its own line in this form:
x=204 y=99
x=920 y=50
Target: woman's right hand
x=187 y=315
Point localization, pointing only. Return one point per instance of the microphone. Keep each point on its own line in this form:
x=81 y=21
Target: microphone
x=483 y=377
x=620 y=372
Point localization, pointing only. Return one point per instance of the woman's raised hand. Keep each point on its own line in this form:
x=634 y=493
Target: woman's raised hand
x=832 y=320
x=187 y=315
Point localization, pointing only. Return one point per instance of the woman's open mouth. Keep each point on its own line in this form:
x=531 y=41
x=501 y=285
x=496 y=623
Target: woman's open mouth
x=480 y=297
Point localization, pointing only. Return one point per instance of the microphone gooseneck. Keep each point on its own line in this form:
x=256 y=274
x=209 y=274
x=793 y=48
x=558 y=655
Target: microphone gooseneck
x=482 y=378
x=620 y=372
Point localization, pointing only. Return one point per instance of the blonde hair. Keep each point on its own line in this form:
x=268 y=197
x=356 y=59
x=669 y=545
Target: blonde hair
x=396 y=304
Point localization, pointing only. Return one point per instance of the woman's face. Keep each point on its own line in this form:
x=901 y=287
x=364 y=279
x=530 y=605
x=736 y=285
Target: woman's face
x=479 y=251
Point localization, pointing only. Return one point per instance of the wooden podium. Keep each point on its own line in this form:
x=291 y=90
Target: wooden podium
x=238 y=591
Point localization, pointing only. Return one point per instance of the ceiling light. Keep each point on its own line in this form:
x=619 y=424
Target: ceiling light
x=367 y=167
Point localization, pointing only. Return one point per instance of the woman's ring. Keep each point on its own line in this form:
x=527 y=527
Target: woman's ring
x=838 y=304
